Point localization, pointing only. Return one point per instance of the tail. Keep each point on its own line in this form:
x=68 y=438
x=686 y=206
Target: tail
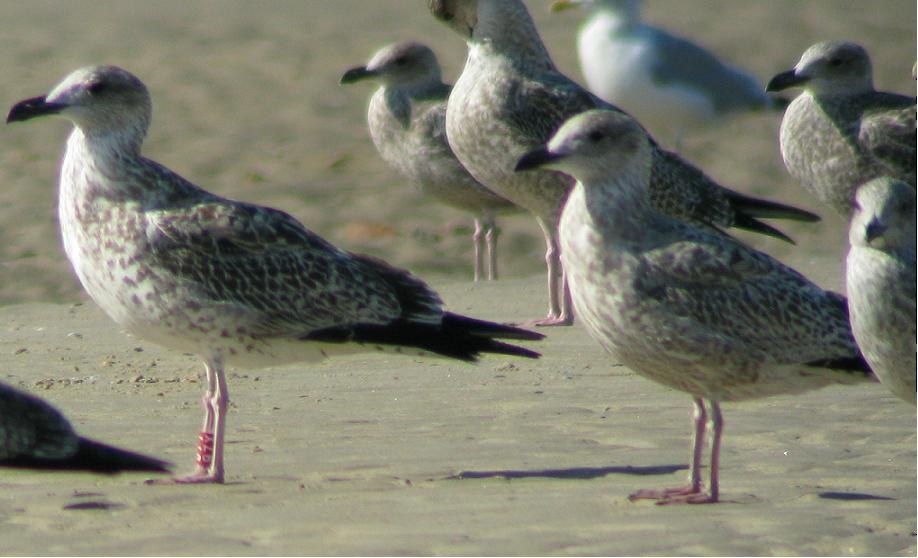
x=456 y=336
x=856 y=366
x=748 y=211
x=94 y=457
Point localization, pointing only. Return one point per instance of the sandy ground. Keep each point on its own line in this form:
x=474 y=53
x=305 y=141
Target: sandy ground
x=358 y=455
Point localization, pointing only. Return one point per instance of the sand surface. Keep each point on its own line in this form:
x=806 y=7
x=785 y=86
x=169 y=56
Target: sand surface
x=358 y=455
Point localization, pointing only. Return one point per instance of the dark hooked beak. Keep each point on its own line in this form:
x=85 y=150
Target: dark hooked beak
x=356 y=74
x=874 y=230
x=785 y=80
x=31 y=108
x=535 y=159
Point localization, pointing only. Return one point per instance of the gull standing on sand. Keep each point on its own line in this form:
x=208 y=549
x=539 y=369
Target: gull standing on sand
x=407 y=121
x=35 y=435
x=691 y=309
x=510 y=98
x=881 y=281
x=668 y=83
x=841 y=132
x=235 y=283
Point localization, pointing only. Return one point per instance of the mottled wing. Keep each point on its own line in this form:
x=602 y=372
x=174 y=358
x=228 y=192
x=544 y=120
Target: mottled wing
x=290 y=280
x=889 y=136
x=30 y=427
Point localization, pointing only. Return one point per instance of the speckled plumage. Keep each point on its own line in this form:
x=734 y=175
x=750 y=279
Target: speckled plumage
x=407 y=122
x=510 y=98
x=669 y=83
x=237 y=284
x=881 y=281
x=33 y=434
x=681 y=305
x=840 y=132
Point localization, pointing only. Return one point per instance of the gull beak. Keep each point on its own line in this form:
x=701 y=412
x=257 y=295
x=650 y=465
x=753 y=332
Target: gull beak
x=785 y=80
x=32 y=108
x=535 y=159
x=356 y=74
x=874 y=230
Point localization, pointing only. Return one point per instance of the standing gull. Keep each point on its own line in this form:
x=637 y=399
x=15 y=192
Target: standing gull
x=691 y=309
x=407 y=120
x=840 y=132
x=668 y=83
x=510 y=99
x=35 y=435
x=881 y=281
x=235 y=283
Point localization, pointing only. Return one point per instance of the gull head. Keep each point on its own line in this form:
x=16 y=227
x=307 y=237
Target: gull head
x=829 y=67
x=884 y=216
x=401 y=64
x=460 y=15
x=594 y=145
x=97 y=99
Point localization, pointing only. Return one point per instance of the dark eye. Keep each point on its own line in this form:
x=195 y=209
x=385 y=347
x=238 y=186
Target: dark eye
x=836 y=62
x=595 y=137
x=98 y=87
x=401 y=60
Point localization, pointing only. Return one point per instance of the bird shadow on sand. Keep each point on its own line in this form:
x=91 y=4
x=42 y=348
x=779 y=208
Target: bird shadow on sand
x=571 y=473
x=852 y=496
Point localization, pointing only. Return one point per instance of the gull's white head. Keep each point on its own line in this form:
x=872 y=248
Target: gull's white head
x=99 y=100
x=829 y=67
x=401 y=64
x=884 y=217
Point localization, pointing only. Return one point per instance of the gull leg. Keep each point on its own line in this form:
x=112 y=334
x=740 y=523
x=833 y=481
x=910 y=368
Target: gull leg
x=558 y=296
x=478 y=244
x=693 y=493
x=492 y=231
x=209 y=459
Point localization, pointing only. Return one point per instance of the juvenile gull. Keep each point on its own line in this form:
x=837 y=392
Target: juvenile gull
x=840 y=132
x=235 y=283
x=35 y=435
x=667 y=82
x=510 y=99
x=689 y=308
x=407 y=121
x=881 y=281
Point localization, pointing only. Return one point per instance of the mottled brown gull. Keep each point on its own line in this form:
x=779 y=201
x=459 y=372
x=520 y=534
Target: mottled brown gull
x=35 y=435
x=407 y=121
x=510 y=98
x=841 y=132
x=235 y=283
x=669 y=83
x=881 y=281
x=689 y=308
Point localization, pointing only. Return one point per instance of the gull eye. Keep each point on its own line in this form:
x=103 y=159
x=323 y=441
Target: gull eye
x=98 y=87
x=595 y=137
x=401 y=60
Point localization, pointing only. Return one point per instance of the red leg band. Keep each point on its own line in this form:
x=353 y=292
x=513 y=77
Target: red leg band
x=205 y=449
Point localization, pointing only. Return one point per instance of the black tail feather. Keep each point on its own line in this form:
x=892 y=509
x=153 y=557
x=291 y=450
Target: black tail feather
x=747 y=223
x=455 y=336
x=765 y=209
x=94 y=457
x=855 y=365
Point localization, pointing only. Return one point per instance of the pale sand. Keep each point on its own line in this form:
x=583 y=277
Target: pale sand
x=356 y=455
x=246 y=104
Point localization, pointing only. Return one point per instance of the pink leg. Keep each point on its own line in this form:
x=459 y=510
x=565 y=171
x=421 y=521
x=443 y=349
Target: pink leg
x=491 y=234
x=693 y=493
x=559 y=308
x=209 y=459
x=478 y=244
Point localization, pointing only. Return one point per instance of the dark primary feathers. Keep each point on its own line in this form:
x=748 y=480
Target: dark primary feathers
x=35 y=435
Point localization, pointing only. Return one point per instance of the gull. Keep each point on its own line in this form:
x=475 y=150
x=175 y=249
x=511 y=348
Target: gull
x=689 y=308
x=510 y=98
x=669 y=83
x=35 y=435
x=841 y=132
x=234 y=283
x=407 y=121
x=881 y=281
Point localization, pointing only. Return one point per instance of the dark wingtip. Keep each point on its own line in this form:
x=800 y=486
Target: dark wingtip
x=94 y=457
